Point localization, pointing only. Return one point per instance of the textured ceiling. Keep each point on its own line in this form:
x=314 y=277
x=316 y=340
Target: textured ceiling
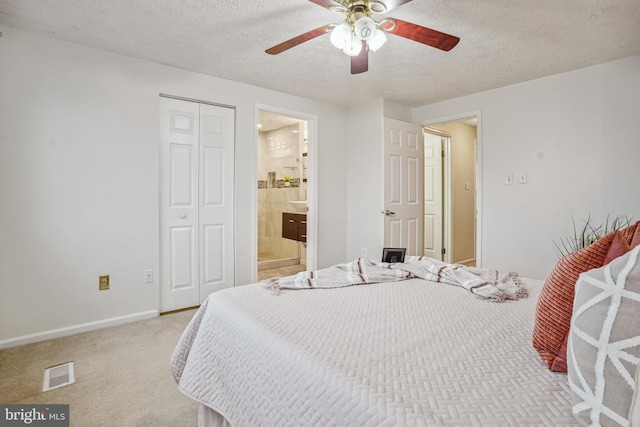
x=502 y=42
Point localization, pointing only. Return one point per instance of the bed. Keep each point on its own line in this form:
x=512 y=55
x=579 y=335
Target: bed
x=401 y=353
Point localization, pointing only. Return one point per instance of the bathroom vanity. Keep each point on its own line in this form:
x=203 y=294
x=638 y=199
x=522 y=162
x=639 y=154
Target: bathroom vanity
x=294 y=226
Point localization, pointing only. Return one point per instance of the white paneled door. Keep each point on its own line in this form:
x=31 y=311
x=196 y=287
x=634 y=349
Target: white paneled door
x=433 y=195
x=196 y=201
x=403 y=186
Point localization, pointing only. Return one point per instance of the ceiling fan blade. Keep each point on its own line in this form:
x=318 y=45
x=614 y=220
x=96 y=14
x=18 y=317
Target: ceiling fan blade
x=309 y=35
x=421 y=34
x=360 y=63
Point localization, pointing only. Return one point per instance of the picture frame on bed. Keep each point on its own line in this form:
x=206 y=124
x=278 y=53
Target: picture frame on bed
x=393 y=254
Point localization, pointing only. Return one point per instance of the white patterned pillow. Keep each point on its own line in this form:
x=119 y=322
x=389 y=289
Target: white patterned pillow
x=604 y=342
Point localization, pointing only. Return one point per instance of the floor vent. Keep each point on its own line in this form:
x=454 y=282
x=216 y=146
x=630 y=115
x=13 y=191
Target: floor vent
x=58 y=376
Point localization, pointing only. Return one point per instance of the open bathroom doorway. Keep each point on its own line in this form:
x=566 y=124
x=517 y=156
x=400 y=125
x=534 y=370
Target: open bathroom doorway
x=282 y=194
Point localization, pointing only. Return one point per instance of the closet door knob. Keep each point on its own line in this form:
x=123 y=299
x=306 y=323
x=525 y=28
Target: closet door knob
x=183 y=216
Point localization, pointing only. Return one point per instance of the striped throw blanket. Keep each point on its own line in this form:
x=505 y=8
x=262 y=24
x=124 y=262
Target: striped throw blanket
x=485 y=283
x=359 y=272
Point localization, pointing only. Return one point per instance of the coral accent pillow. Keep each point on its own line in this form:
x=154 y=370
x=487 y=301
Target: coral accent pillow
x=559 y=363
x=555 y=304
x=619 y=247
x=553 y=312
x=635 y=241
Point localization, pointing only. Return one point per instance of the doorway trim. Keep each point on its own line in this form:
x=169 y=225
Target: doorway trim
x=312 y=185
x=455 y=118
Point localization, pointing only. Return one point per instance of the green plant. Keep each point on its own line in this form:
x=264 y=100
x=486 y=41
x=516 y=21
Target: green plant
x=588 y=233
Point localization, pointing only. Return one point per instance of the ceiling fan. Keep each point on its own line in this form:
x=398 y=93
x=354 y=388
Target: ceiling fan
x=359 y=34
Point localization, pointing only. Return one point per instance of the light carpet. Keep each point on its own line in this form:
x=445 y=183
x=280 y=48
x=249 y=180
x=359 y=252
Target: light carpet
x=122 y=375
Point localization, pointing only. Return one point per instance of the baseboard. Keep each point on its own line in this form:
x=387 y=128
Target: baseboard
x=277 y=263
x=76 y=329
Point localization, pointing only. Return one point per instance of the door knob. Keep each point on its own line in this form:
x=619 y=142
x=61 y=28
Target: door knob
x=388 y=212
x=183 y=216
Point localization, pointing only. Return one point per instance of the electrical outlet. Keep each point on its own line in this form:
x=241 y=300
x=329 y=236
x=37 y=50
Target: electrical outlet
x=103 y=283
x=363 y=252
x=509 y=179
x=148 y=276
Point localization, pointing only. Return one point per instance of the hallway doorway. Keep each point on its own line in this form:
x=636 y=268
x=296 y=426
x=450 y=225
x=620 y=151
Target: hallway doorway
x=458 y=206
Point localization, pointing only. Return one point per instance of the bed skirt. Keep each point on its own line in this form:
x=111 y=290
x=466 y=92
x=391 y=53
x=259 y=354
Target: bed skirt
x=208 y=417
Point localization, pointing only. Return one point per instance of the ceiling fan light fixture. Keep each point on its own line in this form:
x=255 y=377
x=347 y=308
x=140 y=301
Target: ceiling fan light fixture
x=388 y=24
x=365 y=28
x=340 y=35
x=376 y=42
x=359 y=34
x=377 y=7
x=353 y=46
x=337 y=9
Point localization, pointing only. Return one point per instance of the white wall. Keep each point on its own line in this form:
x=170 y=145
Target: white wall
x=366 y=175
x=577 y=135
x=365 y=180
x=392 y=110
x=79 y=181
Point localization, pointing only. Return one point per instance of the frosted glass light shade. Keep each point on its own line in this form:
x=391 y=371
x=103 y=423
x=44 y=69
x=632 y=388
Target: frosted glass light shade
x=365 y=28
x=340 y=35
x=376 y=42
x=353 y=46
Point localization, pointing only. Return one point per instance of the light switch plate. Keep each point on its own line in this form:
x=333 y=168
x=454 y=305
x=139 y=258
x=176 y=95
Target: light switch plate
x=522 y=179
x=148 y=276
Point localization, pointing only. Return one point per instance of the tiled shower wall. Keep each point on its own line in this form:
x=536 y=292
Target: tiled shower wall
x=271 y=203
x=279 y=152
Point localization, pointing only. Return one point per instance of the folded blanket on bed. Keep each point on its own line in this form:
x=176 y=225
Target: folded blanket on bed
x=485 y=283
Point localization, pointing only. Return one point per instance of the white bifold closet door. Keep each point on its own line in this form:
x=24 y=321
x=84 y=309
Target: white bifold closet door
x=196 y=201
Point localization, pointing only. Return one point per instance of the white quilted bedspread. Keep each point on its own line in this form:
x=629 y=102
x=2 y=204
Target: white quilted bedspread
x=409 y=353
